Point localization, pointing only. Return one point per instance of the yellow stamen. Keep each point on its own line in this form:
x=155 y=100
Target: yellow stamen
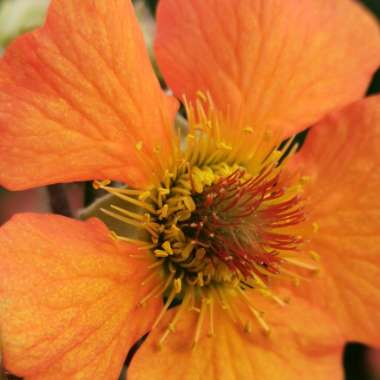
x=315 y=255
x=301 y=264
x=257 y=314
x=211 y=315
x=131 y=200
x=199 y=325
x=170 y=299
x=131 y=214
x=157 y=290
x=174 y=321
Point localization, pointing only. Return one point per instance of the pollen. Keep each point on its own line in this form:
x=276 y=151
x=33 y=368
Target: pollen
x=220 y=224
x=139 y=145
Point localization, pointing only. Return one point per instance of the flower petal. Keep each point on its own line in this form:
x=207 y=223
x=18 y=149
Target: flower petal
x=68 y=296
x=297 y=347
x=268 y=64
x=79 y=100
x=342 y=157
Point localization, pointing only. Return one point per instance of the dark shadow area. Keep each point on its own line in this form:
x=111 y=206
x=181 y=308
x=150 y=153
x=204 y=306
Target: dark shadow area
x=355 y=362
x=131 y=354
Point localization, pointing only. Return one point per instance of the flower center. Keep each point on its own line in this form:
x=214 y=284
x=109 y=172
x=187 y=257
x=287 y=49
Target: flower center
x=220 y=224
x=217 y=222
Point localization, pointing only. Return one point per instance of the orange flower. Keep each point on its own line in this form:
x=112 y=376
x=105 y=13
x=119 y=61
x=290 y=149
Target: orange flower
x=222 y=223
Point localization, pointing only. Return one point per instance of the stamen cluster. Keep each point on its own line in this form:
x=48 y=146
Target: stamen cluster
x=222 y=228
x=218 y=224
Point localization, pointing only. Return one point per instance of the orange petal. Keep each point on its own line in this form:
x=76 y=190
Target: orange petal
x=68 y=296
x=342 y=158
x=270 y=65
x=79 y=100
x=303 y=342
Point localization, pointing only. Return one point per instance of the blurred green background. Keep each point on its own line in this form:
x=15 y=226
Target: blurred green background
x=19 y=16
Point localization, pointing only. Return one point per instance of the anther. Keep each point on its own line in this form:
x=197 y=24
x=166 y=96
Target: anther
x=167 y=247
x=157 y=149
x=164 y=211
x=143 y=196
x=178 y=285
x=314 y=255
x=315 y=227
x=160 y=253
